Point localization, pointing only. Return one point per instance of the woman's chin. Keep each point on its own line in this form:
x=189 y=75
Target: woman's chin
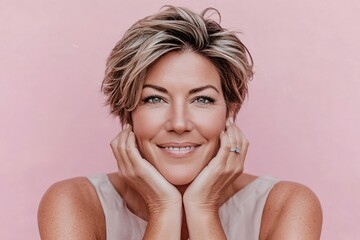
x=180 y=179
x=179 y=175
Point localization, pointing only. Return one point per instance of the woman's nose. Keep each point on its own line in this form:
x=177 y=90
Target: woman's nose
x=179 y=120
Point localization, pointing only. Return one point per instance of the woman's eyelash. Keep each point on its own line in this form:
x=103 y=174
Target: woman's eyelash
x=205 y=99
x=152 y=99
x=199 y=99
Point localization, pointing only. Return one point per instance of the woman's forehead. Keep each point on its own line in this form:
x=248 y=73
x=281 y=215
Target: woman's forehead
x=184 y=68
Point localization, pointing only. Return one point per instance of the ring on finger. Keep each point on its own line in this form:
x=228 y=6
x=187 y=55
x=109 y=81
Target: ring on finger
x=235 y=150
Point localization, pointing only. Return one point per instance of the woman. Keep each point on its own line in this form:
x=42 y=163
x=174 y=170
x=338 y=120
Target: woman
x=177 y=80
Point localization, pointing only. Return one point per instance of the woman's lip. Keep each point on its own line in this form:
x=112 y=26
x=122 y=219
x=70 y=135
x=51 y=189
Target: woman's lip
x=178 y=144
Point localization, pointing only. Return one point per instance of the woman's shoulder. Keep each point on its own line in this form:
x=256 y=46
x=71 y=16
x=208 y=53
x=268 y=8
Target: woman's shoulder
x=292 y=210
x=71 y=191
x=286 y=195
x=71 y=208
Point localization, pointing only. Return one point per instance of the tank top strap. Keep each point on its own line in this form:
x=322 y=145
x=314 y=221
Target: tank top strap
x=120 y=221
x=241 y=214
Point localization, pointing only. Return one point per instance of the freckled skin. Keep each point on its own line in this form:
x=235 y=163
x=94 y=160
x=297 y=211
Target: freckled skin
x=178 y=118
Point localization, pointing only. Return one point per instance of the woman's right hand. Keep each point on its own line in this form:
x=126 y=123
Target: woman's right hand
x=159 y=195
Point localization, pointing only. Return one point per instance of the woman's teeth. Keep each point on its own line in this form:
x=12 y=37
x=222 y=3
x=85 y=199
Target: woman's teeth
x=179 y=149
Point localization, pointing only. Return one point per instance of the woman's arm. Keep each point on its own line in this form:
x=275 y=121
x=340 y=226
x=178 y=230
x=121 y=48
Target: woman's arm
x=292 y=211
x=69 y=210
x=203 y=224
x=164 y=225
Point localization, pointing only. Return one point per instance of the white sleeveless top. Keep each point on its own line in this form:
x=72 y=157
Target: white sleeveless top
x=240 y=215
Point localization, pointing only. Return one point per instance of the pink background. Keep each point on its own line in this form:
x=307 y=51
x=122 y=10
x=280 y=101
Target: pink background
x=302 y=117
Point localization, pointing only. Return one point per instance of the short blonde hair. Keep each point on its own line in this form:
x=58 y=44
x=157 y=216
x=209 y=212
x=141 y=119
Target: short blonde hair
x=174 y=29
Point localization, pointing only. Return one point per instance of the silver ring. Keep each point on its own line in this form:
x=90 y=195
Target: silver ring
x=235 y=150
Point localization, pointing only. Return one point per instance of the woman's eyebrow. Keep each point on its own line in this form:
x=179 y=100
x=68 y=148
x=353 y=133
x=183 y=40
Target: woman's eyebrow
x=192 y=91
x=160 y=89
x=199 y=89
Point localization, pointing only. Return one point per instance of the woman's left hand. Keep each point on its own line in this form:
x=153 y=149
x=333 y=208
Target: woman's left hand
x=206 y=191
x=204 y=196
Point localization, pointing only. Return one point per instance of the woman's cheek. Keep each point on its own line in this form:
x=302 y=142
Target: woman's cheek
x=211 y=123
x=146 y=122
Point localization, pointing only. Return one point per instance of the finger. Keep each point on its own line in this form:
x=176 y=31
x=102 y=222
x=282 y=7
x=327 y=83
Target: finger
x=235 y=142
x=223 y=151
x=243 y=141
x=236 y=165
x=243 y=144
x=229 y=159
x=123 y=147
x=231 y=133
x=244 y=148
x=115 y=149
x=113 y=145
x=132 y=150
x=234 y=134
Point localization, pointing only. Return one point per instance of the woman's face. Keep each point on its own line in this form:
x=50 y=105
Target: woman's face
x=180 y=116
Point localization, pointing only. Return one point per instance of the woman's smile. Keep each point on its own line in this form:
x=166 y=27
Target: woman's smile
x=178 y=150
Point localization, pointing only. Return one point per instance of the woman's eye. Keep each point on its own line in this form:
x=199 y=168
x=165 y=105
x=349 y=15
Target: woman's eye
x=204 y=100
x=153 y=99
